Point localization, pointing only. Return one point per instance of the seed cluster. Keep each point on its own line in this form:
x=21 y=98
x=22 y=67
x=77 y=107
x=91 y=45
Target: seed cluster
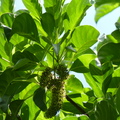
x=54 y=82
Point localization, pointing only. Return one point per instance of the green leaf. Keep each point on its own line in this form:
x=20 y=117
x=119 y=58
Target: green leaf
x=6 y=6
x=71 y=118
x=104 y=111
x=100 y=2
x=24 y=25
x=25 y=112
x=78 y=66
x=104 y=9
x=7 y=19
x=118 y=100
x=56 y=48
x=34 y=7
x=84 y=37
x=116 y=35
x=83 y=117
x=74 y=84
x=90 y=80
x=24 y=64
x=74 y=18
x=110 y=52
x=39 y=98
x=48 y=23
x=4 y=103
x=15 y=107
x=102 y=74
x=5 y=79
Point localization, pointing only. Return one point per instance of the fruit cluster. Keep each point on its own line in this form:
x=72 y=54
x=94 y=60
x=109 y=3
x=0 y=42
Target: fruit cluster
x=53 y=79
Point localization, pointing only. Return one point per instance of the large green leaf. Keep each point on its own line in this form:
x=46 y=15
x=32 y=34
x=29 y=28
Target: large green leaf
x=24 y=25
x=34 y=7
x=6 y=6
x=84 y=37
x=110 y=52
x=5 y=79
x=7 y=19
x=104 y=111
x=96 y=88
x=71 y=118
x=100 y=2
x=48 y=23
x=73 y=84
x=39 y=98
x=15 y=107
x=105 y=9
x=75 y=12
x=102 y=74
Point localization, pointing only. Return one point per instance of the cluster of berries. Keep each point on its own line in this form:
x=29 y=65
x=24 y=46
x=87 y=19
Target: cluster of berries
x=53 y=79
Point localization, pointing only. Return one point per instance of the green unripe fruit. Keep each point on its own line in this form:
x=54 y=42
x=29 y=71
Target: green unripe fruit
x=58 y=94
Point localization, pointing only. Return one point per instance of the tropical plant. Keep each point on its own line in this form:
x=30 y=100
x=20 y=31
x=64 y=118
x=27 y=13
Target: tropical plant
x=39 y=49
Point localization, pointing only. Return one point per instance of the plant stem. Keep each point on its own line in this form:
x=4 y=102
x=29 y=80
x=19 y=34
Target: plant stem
x=76 y=105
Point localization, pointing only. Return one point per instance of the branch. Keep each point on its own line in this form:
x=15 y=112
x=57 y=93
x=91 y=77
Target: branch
x=76 y=105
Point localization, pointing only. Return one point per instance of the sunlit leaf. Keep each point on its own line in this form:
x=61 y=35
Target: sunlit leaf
x=6 y=6
x=74 y=84
x=74 y=18
x=84 y=37
x=105 y=9
x=34 y=7
x=24 y=25
x=118 y=99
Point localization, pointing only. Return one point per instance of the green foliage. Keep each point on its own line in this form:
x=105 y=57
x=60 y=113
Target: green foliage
x=40 y=49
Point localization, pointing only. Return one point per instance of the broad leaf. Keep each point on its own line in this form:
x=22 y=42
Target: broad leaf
x=48 y=23
x=24 y=25
x=24 y=64
x=34 y=7
x=84 y=37
x=5 y=79
x=15 y=107
x=100 y=2
x=75 y=12
x=110 y=52
x=7 y=19
x=73 y=84
x=104 y=111
x=6 y=6
x=71 y=118
x=102 y=74
x=90 y=80
x=105 y=9
x=39 y=98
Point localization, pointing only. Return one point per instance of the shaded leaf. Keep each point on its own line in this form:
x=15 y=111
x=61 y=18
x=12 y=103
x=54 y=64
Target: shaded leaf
x=5 y=79
x=15 y=107
x=24 y=25
x=110 y=52
x=39 y=98
x=78 y=66
x=104 y=111
x=48 y=23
